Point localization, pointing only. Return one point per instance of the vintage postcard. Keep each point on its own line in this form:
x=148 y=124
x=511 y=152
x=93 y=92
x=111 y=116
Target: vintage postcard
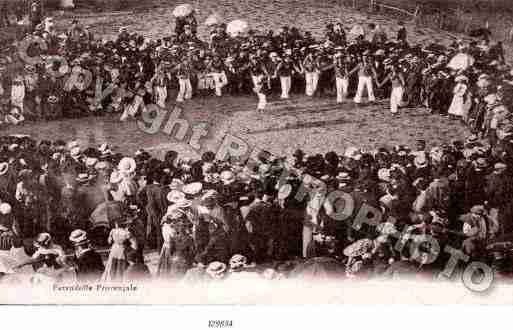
x=256 y=152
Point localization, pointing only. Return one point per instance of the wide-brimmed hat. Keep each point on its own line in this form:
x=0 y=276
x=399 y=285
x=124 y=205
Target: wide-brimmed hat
x=192 y=188
x=79 y=237
x=5 y=209
x=43 y=239
x=4 y=168
x=478 y=209
x=216 y=269
x=175 y=196
x=105 y=149
x=228 y=177
x=74 y=152
x=484 y=76
x=384 y=174
x=343 y=176
x=238 y=261
x=481 y=163
x=500 y=166
x=420 y=161
x=127 y=165
x=91 y=161
x=460 y=78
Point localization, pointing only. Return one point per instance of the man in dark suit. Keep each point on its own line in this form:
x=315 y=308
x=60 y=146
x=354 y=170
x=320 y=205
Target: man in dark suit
x=154 y=200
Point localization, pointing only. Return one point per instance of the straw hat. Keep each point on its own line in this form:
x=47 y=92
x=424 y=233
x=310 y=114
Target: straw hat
x=461 y=78
x=4 y=168
x=74 y=152
x=175 y=196
x=343 y=176
x=500 y=166
x=91 y=161
x=227 y=177
x=5 y=208
x=216 y=269
x=192 y=188
x=43 y=239
x=79 y=237
x=238 y=261
x=127 y=165
x=420 y=161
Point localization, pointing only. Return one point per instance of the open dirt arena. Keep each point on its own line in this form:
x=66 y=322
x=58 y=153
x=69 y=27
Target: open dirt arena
x=313 y=124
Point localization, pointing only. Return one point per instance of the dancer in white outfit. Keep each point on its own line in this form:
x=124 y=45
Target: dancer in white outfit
x=397 y=80
x=365 y=71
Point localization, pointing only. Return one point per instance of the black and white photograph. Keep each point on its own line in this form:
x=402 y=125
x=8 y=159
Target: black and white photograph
x=251 y=152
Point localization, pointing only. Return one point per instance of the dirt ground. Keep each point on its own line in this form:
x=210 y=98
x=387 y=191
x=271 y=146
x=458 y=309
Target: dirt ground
x=315 y=125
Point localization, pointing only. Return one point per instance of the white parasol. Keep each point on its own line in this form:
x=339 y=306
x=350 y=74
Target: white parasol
x=357 y=30
x=237 y=27
x=182 y=10
x=461 y=61
x=213 y=19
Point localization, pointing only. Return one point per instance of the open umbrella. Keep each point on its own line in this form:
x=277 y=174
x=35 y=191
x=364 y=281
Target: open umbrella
x=461 y=61
x=318 y=268
x=237 y=27
x=105 y=214
x=213 y=19
x=182 y=10
x=357 y=30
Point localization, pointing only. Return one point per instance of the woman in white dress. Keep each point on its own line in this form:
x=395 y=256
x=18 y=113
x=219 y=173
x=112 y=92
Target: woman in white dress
x=461 y=100
x=121 y=239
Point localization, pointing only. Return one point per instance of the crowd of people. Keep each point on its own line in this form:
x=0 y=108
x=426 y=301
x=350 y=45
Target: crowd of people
x=211 y=217
x=203 y=213
x=467 y=80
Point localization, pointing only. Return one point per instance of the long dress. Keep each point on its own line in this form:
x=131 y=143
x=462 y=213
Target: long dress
x=116 y=263
x=177 y=254
x=460 y=104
